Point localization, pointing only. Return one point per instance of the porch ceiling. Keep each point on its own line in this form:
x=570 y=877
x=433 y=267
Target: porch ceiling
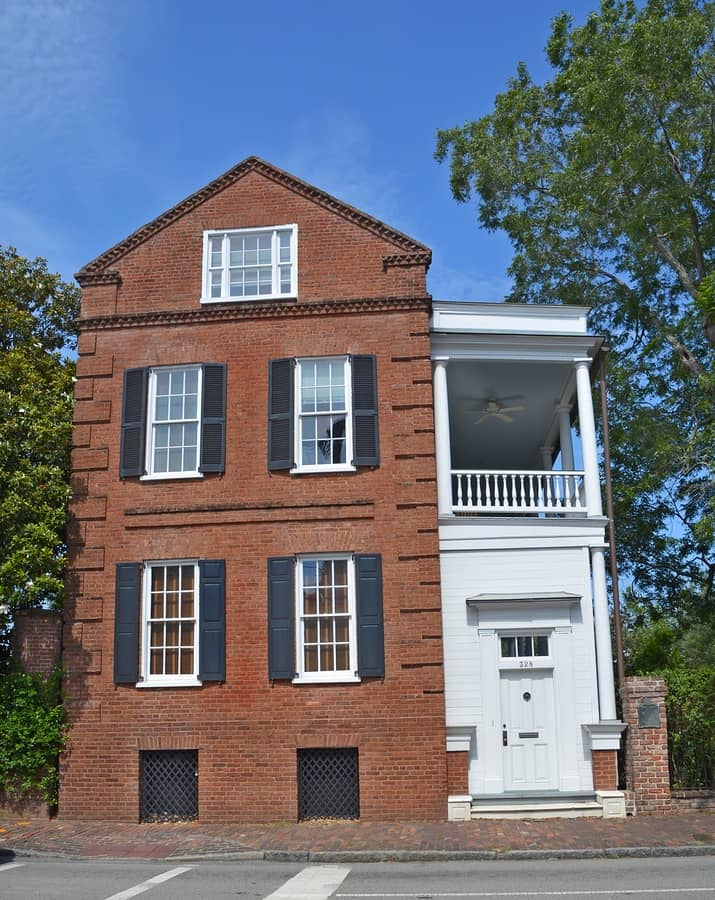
x=495 y=444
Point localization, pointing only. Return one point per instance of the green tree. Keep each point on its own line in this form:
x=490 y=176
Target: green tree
x=38 y=316
x=603 y=178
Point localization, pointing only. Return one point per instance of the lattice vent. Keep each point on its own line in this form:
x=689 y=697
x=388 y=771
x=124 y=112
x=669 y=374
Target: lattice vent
x=328 y=784
x=170 y=785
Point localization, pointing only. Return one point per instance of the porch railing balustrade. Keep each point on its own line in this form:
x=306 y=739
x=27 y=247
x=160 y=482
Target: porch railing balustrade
x=517 y=491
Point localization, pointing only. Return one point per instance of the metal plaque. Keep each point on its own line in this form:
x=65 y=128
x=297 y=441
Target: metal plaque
x=648 y=714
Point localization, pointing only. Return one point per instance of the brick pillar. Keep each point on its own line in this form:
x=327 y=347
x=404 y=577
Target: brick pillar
x=604 y=764
x=647 y=772
x=37 y=640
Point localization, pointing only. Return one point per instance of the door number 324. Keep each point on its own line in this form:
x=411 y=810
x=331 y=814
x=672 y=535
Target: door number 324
x=526 y=664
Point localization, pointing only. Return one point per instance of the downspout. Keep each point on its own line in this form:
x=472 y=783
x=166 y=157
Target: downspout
x=617 y=627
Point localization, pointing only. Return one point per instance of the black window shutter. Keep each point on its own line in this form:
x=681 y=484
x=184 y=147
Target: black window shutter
x=365 y=434
x=131 y=452
x=281 y=656
x=126 y=623
x=371 y=642
x=213 y=418
x=280 y=414
x=212 y=620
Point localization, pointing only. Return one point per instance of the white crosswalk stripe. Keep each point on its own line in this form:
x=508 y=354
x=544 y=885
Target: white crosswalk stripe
x=149 y=883
x=311 y=883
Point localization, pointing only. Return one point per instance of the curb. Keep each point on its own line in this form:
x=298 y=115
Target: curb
x=378 y=856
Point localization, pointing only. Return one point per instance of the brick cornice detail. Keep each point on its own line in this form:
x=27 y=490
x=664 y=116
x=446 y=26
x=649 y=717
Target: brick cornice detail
x=405 y=260
x=91 y=279
x=253 y=164
x=243 y=311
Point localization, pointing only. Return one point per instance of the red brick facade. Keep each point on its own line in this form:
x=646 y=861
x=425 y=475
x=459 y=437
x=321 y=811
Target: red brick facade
x=361 y=290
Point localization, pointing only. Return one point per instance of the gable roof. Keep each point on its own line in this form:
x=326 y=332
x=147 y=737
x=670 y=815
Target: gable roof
x=406 y=245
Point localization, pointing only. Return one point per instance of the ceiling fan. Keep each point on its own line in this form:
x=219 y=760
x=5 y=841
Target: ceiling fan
x=494 y=409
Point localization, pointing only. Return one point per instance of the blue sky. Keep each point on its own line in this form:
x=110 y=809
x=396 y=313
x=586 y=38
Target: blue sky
x=114 y=110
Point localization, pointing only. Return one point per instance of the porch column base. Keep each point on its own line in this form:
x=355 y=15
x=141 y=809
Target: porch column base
x=613 y=803
x=459 y=807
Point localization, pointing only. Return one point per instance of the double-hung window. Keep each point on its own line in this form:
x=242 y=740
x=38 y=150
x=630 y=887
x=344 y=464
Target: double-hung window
x=169 y=622
x=250 y=264
x=173 y=421
x=170 y=610
x=173 y=444
x=324 y=413
x=326 y=646
x=325 y=619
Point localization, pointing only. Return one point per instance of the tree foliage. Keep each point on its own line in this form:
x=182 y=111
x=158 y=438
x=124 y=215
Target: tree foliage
x=604 y=180
x=38 y=314
x=31 y=735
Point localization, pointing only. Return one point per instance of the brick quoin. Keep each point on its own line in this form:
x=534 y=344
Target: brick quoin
x=141 y=308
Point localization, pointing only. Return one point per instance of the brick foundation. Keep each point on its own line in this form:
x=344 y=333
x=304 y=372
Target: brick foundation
x=605 y=770
x=458 y=772
x=647 y=772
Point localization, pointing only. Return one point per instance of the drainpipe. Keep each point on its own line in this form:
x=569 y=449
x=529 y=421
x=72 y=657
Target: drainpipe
x=617 y=627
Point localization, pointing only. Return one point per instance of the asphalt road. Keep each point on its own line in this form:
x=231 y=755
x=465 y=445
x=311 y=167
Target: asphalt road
x=643 y=879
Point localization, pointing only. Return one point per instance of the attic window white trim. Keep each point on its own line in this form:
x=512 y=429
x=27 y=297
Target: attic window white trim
x=250 y=264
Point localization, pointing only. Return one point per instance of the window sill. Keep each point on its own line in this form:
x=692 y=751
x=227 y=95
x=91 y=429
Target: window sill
x=169 y=683
x=171 y=476
x=207 y=301
x=327 y=678
x=322 y=470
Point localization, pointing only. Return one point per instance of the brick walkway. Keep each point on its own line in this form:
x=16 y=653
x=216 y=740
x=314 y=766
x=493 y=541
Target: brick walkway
x=685 y=833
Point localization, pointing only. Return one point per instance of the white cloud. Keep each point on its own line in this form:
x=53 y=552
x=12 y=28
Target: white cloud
x=57 y=64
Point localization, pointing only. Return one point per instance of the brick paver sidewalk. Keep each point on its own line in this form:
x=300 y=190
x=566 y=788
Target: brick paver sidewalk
x=692 y=832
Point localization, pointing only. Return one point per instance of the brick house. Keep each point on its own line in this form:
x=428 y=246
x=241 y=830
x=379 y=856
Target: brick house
x=253 y=625
x=336 y=550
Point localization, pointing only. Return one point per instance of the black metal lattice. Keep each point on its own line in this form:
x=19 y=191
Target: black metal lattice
x=170 y=785
x=328 y=784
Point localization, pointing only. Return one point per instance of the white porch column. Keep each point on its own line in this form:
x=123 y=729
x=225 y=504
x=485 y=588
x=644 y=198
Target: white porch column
x=547 y=457
x=602 y=628
x=587 y=427
x=567 y=460
x=443 y=453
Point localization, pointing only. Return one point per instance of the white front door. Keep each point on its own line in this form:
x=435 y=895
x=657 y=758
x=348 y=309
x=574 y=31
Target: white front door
x=528 y=738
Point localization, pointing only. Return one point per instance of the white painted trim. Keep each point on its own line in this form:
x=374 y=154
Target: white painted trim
x=603 y=735
x=151 y=475
x=183 y=680
x=225 y=297
x=348 y=466
x=336 y=676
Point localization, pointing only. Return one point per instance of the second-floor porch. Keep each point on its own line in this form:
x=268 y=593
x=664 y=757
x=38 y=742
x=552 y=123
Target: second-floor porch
x=514 y=423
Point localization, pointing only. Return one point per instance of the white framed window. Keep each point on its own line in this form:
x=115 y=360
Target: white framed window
x=323 y=398
x=174 y=433
x=525 y=650
x=170 y=604
x=325 y=619
x=250 y=264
